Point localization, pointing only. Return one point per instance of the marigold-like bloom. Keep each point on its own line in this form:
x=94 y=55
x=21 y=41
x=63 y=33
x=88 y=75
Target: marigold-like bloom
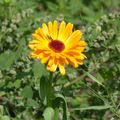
x=57 y=45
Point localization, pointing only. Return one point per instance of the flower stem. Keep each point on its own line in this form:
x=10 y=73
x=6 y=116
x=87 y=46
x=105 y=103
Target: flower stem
x=50 y=89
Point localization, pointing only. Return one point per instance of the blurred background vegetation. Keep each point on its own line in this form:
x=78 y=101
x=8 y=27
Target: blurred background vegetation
x=92 y=91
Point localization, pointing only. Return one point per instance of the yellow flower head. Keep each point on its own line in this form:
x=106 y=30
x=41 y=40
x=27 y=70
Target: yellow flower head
x=57 y=46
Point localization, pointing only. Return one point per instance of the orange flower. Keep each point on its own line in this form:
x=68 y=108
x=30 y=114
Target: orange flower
x=57 y=46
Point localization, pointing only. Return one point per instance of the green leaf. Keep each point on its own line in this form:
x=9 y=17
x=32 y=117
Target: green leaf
x=52 y=6
x=56 y=113
x=19 y=50
x=1 y=110
x=43 y=90
x=94 y=108
x=2 y=93
x=93 y=78
x=32 y=103
x=8 y=57
x=99 y=77
x=17 y=83
x=38 y=69
x=48 y=113
x=27 y=92
x=57 y=102
x=7 y=1
x=4 y=118
x=6 y=60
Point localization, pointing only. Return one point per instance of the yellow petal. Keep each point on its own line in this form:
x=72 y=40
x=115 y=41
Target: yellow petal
x=81 y=49
x=51 y=61
x=32 y=44
x=80 y=57
x=36 y=36
x=36 y=53
x=82 y=43
x=73 y=39
x=50 y=28
x=61 y=30
x=44 y=59
x=45 y=29
x=33 y=55
x=62 y=69
x=79 y=46
x=40 y=32
x=55 y=30
x=76 y=34
x=72 y=61
x=52 y=67
x=68 y=31
x=63 y=59
x=73 y=52
x=38 y=45
x=80 y=62
x=40 y=56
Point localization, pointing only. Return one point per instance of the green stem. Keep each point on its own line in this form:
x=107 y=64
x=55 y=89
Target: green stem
x=50 y=89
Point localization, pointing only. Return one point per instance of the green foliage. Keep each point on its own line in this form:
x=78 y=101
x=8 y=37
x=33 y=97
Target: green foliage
x=48 y=113
x=9 y=58
x=38 y=69
x=43 y=90
x=27 y=92
x=58 y=99
x=92 y=91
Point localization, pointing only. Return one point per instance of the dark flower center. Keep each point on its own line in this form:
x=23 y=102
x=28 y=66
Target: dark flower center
x=56 y=45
